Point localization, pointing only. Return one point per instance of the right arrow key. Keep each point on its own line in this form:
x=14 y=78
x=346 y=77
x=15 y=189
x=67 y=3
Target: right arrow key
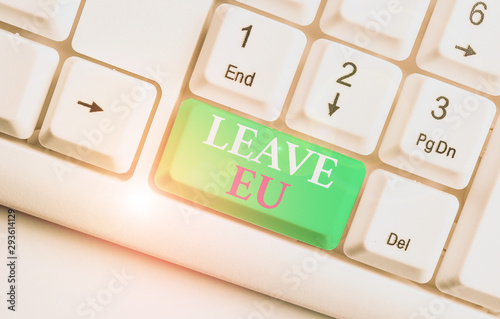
x=460 y=44
x=97 y=115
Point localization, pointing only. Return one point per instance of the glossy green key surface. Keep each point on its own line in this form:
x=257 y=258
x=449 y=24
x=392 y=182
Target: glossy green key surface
x=266 y=177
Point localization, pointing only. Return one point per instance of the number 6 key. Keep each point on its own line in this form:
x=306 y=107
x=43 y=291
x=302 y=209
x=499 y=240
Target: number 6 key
x=460 y=43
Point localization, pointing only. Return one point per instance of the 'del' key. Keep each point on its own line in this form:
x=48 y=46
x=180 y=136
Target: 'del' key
x=260 y=175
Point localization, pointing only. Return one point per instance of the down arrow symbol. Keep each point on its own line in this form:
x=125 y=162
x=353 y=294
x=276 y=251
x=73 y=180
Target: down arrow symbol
x=333 y=106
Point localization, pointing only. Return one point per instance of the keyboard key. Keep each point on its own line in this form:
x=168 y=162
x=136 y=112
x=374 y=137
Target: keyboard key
x=49 y=18
x=437 y=131
x=97 y=115
x=298 y=11
x=155 y=40
x=401 y=226
x=143 y=39
x=26 y=71
x=458 y=43
x=260 y=175
x=344 y=96
x=248 y=62
x=472 y=260
x=386 y=27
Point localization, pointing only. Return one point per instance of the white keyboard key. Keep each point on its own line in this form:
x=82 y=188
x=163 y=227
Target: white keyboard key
x=470 y=269
x=26 y=71
x=437 y=131
x=248 y=62
x=344 y=96
x=155 y=40
x=459 y=43
x=386 y=27
x=97 y=115
x=49 y=18
x=143 y=39
x=298 y=11
x=401 y=226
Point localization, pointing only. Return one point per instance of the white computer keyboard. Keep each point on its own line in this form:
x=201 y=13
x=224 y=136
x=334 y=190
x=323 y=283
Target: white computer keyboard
x=320 y=152
x=61 y=273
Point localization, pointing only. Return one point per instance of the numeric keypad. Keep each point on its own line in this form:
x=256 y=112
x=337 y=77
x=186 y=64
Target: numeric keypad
x=460 y=43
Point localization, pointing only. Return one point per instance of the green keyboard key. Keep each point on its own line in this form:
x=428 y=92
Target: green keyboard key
x=260 y=175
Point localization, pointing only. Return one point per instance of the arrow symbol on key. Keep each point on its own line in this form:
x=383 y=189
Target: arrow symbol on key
x=333 y=106
x=93 y=107
x=467 y=51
